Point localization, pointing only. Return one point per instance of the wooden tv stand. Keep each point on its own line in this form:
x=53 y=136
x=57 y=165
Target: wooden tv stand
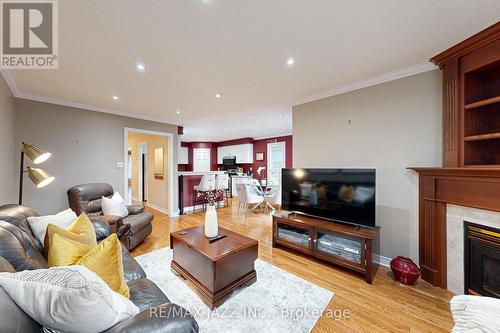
x=344 y=245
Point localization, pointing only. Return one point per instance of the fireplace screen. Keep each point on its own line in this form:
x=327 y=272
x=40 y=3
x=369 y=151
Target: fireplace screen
x=482 y=260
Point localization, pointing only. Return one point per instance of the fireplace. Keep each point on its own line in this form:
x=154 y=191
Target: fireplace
x=481 y=260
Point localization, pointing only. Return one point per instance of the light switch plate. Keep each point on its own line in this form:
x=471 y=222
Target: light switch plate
x=119 y=165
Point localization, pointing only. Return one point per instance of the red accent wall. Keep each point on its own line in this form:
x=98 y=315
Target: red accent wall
x=259 y=146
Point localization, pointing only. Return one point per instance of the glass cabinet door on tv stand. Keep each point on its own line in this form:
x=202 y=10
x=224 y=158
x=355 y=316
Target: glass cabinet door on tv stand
x=299 y=237
x=339 y=246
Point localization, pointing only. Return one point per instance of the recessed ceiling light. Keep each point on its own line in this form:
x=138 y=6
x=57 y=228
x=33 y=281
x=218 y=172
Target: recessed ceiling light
x=116 y=98
x=281 y=116
x=225 y=128
x=178 y=112
x=290 y=61
x=140 y=67
x=218 y=95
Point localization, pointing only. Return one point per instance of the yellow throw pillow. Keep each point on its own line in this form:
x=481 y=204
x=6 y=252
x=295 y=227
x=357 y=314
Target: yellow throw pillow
x=66 y=252
x=105 y=259
x=345 y=193
x=81 y=230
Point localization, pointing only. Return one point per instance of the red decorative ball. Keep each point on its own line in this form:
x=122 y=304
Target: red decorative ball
x=405 y=270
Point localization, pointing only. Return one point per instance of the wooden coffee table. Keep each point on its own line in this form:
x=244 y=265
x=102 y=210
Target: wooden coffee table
x=214 y=269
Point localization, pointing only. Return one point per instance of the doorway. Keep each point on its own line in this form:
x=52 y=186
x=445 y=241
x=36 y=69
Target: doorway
x=143 y=172
x=151 y=175
x=276 y=157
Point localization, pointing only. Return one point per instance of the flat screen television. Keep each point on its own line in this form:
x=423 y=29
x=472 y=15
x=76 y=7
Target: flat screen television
x=340 y=195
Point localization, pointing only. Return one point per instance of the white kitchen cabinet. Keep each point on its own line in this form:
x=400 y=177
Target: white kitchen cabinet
x=183 y=155
x=243 y=153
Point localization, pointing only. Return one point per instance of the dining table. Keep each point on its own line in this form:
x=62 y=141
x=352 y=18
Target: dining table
x=263 y=189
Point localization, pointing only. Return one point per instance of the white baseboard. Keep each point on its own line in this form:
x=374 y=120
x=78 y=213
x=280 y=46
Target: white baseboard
x=381 y=260
x=158 y=208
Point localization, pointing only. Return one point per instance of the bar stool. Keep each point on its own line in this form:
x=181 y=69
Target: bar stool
x=222 y=183
x=207 y=183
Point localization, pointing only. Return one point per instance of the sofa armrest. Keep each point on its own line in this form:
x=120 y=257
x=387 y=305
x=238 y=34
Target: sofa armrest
x=102 y=229
x=114 y=221
x=165 y=318
x=122 y=230
x=135 y=209
x=5 y=266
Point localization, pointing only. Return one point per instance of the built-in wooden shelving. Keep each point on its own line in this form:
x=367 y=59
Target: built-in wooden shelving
x=482 y=137
x=484 y=102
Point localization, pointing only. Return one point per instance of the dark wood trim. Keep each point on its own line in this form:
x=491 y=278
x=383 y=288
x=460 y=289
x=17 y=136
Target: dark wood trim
x=472 y=43
x=470 y=187
x=473 y=172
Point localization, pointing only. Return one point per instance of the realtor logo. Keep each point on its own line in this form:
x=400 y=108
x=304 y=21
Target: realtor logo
x=29 y=34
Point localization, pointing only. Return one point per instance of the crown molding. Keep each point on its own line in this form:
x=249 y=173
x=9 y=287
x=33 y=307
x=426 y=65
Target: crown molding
x=378 y=79
x=11 y=83
x=94 y=108
x=274 y=136
x=17 y=94
x=386 y=77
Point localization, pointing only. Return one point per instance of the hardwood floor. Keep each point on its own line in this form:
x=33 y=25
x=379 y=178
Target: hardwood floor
x=385 y=306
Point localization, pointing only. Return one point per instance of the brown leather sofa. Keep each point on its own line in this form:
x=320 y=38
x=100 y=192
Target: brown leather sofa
x=86 y=199
x=21 y=250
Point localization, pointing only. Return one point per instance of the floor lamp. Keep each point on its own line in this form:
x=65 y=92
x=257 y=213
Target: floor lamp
x=39 y=177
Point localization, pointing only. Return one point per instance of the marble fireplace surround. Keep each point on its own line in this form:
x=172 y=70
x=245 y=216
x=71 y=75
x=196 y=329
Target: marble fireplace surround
x=455 y=217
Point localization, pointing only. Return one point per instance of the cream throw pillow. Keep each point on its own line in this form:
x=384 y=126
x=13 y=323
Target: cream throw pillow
x=39 y=224
x=114 y=205
x=70 y=299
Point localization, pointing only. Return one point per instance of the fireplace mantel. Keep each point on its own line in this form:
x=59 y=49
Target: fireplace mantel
x=470 y=187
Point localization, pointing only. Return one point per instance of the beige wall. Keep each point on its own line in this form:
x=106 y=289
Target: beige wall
x=157 y=189
x=392 y=126
x=86 y=146
x=8 y=147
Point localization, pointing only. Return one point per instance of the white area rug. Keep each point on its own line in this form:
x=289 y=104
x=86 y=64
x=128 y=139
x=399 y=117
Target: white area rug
x=277 y=302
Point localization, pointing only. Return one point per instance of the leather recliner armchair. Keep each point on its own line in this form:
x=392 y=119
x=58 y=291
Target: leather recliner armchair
x=86 y=199
x=20 y=250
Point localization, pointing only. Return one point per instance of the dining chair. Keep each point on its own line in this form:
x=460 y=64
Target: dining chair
x=207 y=183
x=222 y=183
x=273 y=196
x=247 y=197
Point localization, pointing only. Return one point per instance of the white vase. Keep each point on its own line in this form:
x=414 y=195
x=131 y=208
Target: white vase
x=211 y=224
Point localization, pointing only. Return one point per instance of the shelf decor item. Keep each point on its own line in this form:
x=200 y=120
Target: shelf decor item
x=211 y=221
x=405 y=270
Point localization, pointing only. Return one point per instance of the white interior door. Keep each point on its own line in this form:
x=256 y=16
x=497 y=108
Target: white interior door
x=201 y=159
x=276 y=157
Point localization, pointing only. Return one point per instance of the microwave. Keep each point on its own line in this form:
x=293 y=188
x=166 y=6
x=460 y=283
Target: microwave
x=229 y=160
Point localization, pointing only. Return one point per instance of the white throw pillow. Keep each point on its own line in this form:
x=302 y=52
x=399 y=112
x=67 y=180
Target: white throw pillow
x=69 y=299
x=475 y=314
x=114 y=205
x=38 y=224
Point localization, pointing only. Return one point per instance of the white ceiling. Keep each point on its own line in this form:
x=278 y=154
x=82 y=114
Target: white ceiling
x=194 y=49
